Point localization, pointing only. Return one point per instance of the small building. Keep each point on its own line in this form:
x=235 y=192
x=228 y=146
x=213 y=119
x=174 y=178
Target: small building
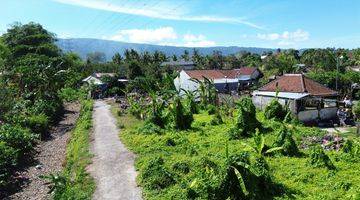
x=307 y=99
x=224 y=80
x=96 y=78
x=179 y=65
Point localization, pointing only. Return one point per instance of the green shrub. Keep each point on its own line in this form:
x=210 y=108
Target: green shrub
x=356 y=110
x=274 y=110
x=39 y=124
x=211 y=109
x=181 y=167
x=182 y=117
x=18 y=138
x=8 y=159
x=351 y=150
x=318 y=158
x=71 y=94
x=155 y=175
x=149 y=128
x=50 y=108
x=246 y=122
x=286 y=141
x=216 y=119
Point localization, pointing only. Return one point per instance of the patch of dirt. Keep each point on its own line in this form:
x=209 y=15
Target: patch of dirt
x=50 y=157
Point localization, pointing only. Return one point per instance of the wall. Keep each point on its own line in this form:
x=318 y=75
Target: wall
x=262 y=101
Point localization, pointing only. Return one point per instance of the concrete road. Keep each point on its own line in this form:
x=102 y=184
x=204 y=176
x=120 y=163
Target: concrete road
x=113 y=165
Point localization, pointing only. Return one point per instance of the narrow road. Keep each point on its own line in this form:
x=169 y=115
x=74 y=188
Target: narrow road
x=113 y=165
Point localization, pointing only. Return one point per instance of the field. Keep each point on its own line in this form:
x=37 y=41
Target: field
x=194 y=162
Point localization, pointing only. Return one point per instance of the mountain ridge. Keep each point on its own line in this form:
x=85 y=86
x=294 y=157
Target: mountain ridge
x=84 y=46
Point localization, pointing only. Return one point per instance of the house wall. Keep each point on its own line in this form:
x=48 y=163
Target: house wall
x=322 y=114
x=262 y=101
x=304 y=116
x=183 y=81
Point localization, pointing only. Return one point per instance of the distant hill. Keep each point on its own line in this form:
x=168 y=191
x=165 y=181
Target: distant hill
x=83 y=46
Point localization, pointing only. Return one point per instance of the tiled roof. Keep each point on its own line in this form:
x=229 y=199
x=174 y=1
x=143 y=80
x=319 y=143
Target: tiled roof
x=220 y=74
x=298 y=83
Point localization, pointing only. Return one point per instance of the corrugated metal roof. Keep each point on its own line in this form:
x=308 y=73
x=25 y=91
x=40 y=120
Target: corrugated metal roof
x=286 y=95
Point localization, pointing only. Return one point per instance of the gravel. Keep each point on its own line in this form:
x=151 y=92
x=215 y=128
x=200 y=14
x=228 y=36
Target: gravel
x=50 y=157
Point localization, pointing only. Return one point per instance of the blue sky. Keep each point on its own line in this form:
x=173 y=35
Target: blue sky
x=248 y=23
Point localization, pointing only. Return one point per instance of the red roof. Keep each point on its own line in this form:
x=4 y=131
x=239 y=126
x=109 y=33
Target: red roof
x=298 y=83
x=219 y=74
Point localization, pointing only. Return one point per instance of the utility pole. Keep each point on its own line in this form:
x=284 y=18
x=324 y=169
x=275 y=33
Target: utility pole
x=338 y=59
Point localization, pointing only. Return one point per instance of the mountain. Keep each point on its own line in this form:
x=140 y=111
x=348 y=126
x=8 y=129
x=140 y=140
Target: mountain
x=83 y=46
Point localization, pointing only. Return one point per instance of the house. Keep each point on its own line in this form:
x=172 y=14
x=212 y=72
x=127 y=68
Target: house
x=306 y=98
x=224 y=80
x=179 y=65
x=96 y=78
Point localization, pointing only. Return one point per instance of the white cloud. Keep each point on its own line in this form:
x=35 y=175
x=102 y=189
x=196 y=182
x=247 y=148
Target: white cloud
x=286 y=38
x=159 y=11
x=145 y=35
x=161 y=36
x=191 y=40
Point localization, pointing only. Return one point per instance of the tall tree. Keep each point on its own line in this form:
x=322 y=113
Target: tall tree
x=117 y=59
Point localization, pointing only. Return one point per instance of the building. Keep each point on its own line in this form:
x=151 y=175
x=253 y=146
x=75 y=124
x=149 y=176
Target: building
x=306 y=98
x=179 y=65
x=96 y=78
x=224 y=80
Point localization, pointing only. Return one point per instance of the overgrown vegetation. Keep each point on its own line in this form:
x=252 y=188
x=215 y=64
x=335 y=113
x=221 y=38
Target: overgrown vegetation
x=269 y=163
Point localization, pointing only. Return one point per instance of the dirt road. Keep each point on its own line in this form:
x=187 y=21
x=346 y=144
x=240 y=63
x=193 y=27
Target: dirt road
x=50 y=158
x=113 y=165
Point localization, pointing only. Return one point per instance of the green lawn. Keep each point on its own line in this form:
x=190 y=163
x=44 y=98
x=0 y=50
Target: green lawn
x=204 y=142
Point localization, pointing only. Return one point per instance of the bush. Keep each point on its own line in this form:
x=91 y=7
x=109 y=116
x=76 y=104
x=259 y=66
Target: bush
x=351 y=150
x=156 y=176
x=149 y=128
x=275 y=110
x=356 y=110
x=39 y=124
x=216 y=119
x=50 y=108
x=211 y=109
x=286 y=141
x=70 y=94
x=181 y=167
x=8 y=159
x=318 y=158
x=182 y=117
x=246 y=121
x=18 y=138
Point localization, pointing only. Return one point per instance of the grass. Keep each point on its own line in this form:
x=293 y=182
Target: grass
x=204 y=141
x=78 y=183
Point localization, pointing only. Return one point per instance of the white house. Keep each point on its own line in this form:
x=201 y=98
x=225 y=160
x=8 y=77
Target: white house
x=307 y=99
x=224 y=80
x=95 y=78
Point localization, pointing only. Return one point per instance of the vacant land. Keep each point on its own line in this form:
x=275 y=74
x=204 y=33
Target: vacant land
x=194 y=161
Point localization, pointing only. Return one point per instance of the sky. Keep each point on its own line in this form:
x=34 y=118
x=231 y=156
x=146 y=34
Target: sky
x=196 y=23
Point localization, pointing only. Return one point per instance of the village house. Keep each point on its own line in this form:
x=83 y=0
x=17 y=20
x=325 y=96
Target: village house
x=224 y=80
x=307 y=99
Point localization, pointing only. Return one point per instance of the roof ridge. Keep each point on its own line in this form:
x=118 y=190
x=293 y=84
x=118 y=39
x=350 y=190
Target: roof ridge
x=303 y=83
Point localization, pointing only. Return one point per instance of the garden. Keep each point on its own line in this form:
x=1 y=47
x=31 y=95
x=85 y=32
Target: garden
x=195 y=146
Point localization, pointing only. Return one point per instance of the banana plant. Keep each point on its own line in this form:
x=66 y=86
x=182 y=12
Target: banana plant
x=259 y=145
